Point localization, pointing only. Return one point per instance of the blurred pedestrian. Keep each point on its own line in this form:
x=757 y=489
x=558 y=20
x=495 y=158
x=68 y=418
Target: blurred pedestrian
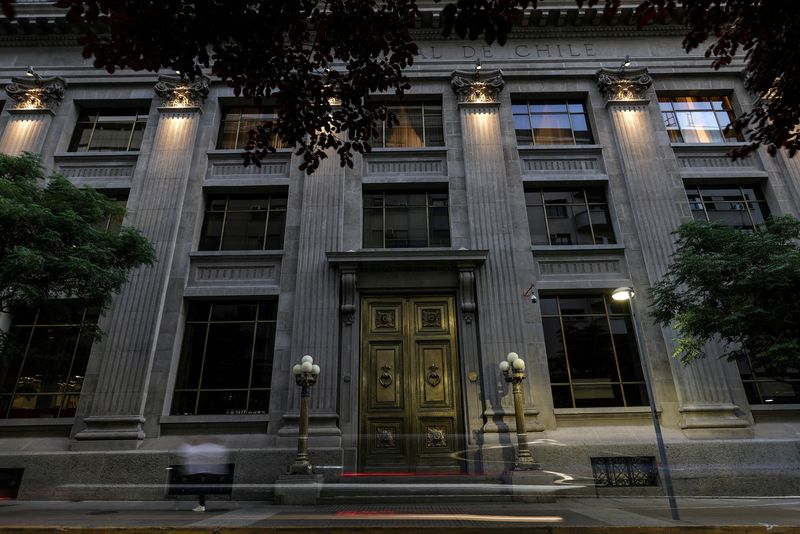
x=201 y=462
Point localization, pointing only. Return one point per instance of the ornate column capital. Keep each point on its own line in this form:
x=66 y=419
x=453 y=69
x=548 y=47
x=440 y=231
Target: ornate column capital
x=624 y=85
x=179 y=92
x=35 y=92
x=476 y=87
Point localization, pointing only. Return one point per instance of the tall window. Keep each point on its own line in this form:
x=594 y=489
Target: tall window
x=44 y=361
x=551 y=122
x=109 y=129
x=406 y=219
x=244 y=222
x=698 y=119
x=420 y=125
x=764 y=388
x=237 y=123
x=575 y=216
x=742 y=207
x=226 y=359
x=591 y=352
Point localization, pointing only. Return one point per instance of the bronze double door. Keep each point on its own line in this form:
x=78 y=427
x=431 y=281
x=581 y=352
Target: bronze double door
x=409 y=388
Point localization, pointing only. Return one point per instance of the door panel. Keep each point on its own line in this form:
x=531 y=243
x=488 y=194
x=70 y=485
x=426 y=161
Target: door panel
x=410 y=412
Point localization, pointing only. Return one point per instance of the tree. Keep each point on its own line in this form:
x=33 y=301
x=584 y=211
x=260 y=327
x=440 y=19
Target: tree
x=54 y=242
x=306 y=54
x=740 y=288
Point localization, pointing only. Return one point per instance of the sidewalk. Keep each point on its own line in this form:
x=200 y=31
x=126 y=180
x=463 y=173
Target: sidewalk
x=774 y=515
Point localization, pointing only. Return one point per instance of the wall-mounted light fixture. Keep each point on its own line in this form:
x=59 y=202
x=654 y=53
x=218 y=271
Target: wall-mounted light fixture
x=34 y=92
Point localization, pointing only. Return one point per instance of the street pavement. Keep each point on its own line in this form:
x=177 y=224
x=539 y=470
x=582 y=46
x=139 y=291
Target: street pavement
x=602 y=515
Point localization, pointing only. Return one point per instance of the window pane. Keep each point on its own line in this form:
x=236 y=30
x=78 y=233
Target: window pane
x=212 y=231
x=551 y=129
x=408 y=219
x=522 y=127
x=194 y=342
x=262 y=356
x=556 y=356
x=536 y=223
x=589 y=348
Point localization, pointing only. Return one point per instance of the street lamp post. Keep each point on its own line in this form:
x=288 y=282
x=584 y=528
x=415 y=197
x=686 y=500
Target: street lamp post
x=627 y=294
x=513 y=368
x=305 y=374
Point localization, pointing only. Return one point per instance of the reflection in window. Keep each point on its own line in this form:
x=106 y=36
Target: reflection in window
x=763 y=388
x=698 y=119
x=226 y=358
x=551 y=122
x=109 y=129
x=44 y=360
x=420 y=125
x=244 y=222
x=238 y=121
x=576 y=216
x=406 y=219
x=742 y=207
x=591 y=352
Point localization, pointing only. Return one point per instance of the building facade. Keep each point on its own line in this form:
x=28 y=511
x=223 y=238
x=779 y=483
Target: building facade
x=497 y=217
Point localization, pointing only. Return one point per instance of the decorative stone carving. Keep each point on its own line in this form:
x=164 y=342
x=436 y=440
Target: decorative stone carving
x=385 y=379
x=466 y=283
x=472 y=88
x=385 y=319
x=35 y=92
x=181 y=92
x=624 y=85
x=348 y=306
x=431 y=318
x=384 y=437
x=435 y=437
x=433 y=378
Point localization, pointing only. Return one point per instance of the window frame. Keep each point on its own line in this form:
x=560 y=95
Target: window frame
x=94 y=114
x=89 y=316
x=379 y=141
x=760 y=201
x=672 y=99
x=269 y=302
x=211 y=196
x=529 y=103
x=428 y=207
x=266 y=115
x=608 y=314
x=546 y=216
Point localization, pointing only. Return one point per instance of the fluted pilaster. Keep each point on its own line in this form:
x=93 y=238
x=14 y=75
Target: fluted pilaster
x=132 y=324
x=656 y=195
x=25 y=132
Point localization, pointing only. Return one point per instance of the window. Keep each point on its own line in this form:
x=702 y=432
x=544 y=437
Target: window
x=109 y=129
x=420 y=125
x=226 y=359
x=244 y=222
x=742 y=207
x=406 y=219
x=698 y=119
x=551 y=122
x=591 y=352
x=762 y=388
x=237 y=123
x=45 y=360
x=577 y=216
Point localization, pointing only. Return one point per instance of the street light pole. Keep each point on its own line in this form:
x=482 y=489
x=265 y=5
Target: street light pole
x=623 y=294
x=513 y=368
x=305 y=374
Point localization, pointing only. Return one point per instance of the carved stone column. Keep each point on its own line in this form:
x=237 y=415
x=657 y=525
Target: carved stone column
x=495 y=306
x=317 y=312
x=36 y=98
x=113 y=409
x=656 y=194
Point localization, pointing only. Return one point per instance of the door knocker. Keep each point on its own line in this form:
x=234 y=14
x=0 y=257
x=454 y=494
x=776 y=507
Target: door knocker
x=386 y=378
x=433 y=375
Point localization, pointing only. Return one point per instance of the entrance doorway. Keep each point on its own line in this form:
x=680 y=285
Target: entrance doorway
x=409 y=389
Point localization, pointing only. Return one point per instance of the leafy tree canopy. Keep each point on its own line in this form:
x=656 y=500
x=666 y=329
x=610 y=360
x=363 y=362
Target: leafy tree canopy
x=741 y=288
x=54 y=242
x=306 y=53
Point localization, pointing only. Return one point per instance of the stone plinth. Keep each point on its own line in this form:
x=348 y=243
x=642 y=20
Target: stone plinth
x=297 y=489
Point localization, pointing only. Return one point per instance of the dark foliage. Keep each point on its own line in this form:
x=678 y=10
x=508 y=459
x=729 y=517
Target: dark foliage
x=53 y=239
x=740 y=288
